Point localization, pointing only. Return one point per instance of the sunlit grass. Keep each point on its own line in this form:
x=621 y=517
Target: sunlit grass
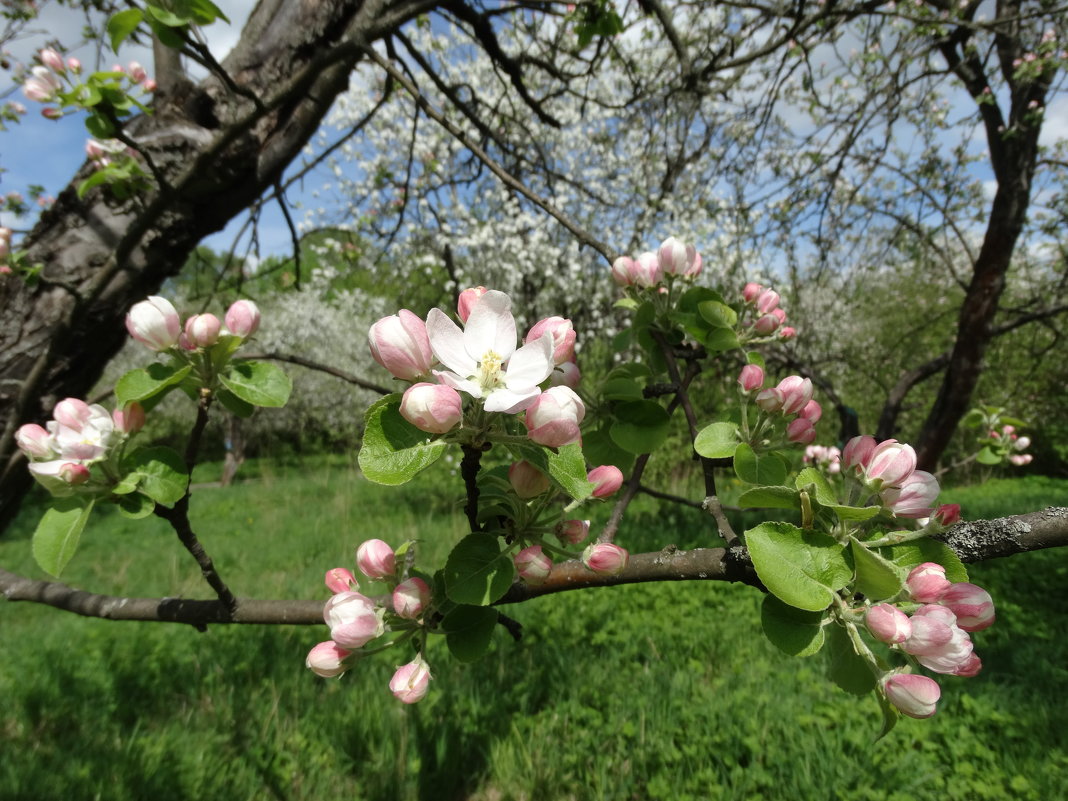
x=645 y=692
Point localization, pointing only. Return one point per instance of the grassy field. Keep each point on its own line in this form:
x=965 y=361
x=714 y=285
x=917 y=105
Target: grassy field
x=644 y=692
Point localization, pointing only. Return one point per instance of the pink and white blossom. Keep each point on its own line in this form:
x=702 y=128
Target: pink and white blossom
x=399 y=343
x=376 y=559
x=927 y=582
x=353 y=619
x=554 y=416
x=340 y=579
x=607 y=480
x=533 y=565
x=202 y=330
x=563 y=334
x=411 y=597
x=888 y=624
x=482 y=359
x=605 y=558
x=891 y=462
x=972 y=605
x=327 y=659
x=154 y=323
x=467 y=300
x=751 y=377
x=411 y=682
x=434 y=408
x=242 y=318
x=677 y=258
x=915 y=497
x=912 y=695
x=573 y=531
x=527 y=480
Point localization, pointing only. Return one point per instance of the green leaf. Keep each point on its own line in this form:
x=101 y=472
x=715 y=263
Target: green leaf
x=56 y=538
x=763 y=469
x=847 y=668
x=755 y=357
x=99 y=126
x=769 y=498
x=476 y=571
x=640 y=427
x=987 y=456
x=567 y=467
x=258 y=383
x=692 y=298
x=801 y=568
x=600 y=449
x=621 y=389
x=791 y=630
x=910 y=554
x=234 y=404
x=121 y=25
x=469 y=630
x=718 y=315
x=394 y=450
x=721 y=339
x=135 y=506
x=141 y=384
x=630 y=304
x=890 y=716
x=810 y=476
x=163 y=474
x=165 y=34
x=856 y=513
x=717 y=441
x=877 y=577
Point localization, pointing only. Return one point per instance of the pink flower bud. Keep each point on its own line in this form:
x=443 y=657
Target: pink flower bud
x=954 y=655
x=533 y=565
x=623 y=270
x=74 y=65
x=766 y=324
x=553 y=418
x=801 y=431
x=340 y=579
x=73 y=473
x=434 y=408
x=812 y=411
x=566 y=375
x=467 y=300
x=154 y=323
x=1021 y=459
x=796 y=393
x=202 y=330
x=149 y=85
x=375 y=559
x=694 y=269
x=573 y=531
x=751 y=292
x=130 y=419
x=72 y=413
x=969 y=667
x=767 y=300
x=34 y=441
x=401 y=345
x=646 y=270
x=1022 y=443
x=891 y=462
x=527 y=480
x=912 y=695
x=858 y=451
x=42 y=85
x=914 y=498
x=787 y=332
x=53 y=60
x=136 y=72
x=353 y=619
x=563 y=334
x=51 y=113
x=411 y=681
x=927 y=582
x=888 y=624
x=605 y=558
x=242 y=318
x=327 y=660
x=751 y=377
x=972 y=605
x=928 y=636
x=948 y=514
x=607 y=478
x=411 y=597
x=675 y=257
x=770 y=400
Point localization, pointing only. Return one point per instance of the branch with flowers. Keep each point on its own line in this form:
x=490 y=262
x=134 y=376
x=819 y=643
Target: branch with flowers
x=859 y=568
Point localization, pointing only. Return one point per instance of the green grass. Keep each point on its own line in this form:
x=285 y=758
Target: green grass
x=644 y=692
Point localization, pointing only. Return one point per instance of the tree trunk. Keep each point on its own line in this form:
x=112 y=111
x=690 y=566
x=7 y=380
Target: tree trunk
x=218 y=150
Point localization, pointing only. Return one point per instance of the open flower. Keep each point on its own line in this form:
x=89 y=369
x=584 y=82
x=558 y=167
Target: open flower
x=482 y=358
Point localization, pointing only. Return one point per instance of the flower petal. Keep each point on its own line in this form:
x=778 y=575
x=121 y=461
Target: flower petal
x=447 y=342
x=510 y=401
x=472 y=388
x=530 y=365
x=491 y=326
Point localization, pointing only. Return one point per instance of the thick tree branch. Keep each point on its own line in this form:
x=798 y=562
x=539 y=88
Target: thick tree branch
x=974 y=542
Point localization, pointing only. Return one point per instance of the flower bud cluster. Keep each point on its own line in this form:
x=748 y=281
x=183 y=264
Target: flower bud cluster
x=482 y=361
x=356 y=619
x=5 y=249
x=1008 y=444
x=767 y=316
x=155 y=323
x=45 y=82
x=936 y=635
x=78 y=436
x=651 y=269
x=791 y=398
x=889 y=468
x=825 y=457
